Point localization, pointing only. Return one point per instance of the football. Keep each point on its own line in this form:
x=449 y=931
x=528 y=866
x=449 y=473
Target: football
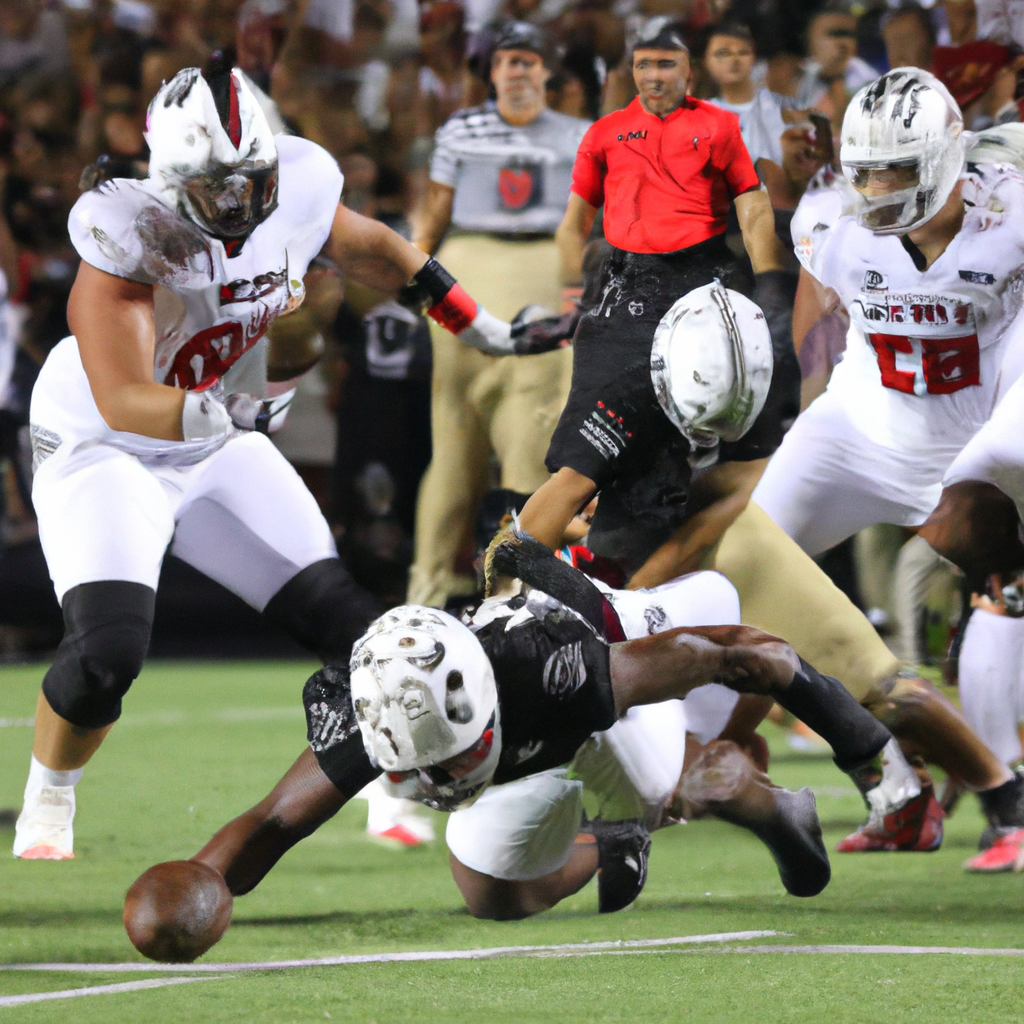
x=176 y=911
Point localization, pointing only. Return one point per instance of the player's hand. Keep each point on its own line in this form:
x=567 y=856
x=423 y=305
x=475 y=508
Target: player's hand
x=536 y=329
x=245 y=412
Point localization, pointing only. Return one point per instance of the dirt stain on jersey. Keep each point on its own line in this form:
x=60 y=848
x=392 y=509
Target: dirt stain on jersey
x=172 y=245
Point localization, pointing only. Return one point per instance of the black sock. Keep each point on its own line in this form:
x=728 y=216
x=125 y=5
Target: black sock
x=824 y=704
x=1004 y=804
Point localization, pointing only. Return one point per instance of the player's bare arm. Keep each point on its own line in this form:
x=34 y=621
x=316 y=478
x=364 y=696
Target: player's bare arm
x=371 y=253
x=112 y=318
x=431 y=220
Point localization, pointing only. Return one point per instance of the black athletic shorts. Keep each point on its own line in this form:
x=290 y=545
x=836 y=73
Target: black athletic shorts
x=612 y=420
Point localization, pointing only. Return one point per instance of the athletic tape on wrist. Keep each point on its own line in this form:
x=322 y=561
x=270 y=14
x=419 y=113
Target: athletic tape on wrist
x=456 y=311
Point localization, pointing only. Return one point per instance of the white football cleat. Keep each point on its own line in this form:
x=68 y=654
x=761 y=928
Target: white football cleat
x=44 y=830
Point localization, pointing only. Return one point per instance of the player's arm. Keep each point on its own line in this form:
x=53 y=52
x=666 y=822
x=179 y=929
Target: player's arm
x=572 y=237
x=433 y=217
x=808 y=307
x=719 y=496
x=245 y=849
x=372 y=254
x=112 y=319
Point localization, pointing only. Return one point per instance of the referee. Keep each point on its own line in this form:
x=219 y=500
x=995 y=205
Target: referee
x=665 y=169
x=499 y=181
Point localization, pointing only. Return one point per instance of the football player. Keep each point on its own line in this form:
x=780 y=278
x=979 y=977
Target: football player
x=925 y=254
x=479 y=717
x=142 y=436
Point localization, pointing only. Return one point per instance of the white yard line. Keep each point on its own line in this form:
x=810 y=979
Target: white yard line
x=623 y=947
x=387 y=958
x=17 y=723
x=96 y=990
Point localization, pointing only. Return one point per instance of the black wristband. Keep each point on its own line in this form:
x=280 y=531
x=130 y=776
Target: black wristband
x=429 y=285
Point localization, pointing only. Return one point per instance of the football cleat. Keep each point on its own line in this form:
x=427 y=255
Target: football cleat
x=623 y=848
x=917 y=825
x=794 y=839
x=1005 y=854
x=44 y=828
x=394 y=821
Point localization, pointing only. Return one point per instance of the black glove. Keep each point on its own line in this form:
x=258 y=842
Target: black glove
x=533 y=334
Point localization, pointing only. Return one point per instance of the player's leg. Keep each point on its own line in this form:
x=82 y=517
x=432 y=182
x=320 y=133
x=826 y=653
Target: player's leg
x=517 y=850
x=248 y=522
x=991 y=657
x=783 y=592
x=104 y=524
x=827 y=481
x=456 y=478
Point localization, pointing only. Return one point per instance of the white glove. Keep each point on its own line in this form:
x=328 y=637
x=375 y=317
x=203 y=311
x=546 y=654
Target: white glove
x=208 y=414
x=488 y=334
x=204 y=414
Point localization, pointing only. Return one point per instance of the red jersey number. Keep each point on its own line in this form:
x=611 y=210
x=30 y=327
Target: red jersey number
x=207 y=355
x=944 y=364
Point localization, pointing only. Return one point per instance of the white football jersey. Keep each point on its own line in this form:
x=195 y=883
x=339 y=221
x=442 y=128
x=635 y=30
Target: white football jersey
x=925 y=349
x=211 y=306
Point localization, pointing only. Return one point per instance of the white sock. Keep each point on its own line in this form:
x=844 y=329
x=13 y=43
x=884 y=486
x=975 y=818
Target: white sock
x=39 y=775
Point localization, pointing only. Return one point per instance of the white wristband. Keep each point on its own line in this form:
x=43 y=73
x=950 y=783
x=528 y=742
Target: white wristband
x=202 y=416
x=488 y=334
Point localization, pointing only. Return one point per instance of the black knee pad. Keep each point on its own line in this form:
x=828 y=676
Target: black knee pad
x=106 y=635
x=324 y=609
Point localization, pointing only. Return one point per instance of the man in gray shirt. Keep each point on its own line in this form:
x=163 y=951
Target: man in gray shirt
x=499 y=179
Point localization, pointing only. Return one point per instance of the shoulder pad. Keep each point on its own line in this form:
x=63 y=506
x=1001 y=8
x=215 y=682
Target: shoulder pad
x=993 y=193
x=816 y=216
x=121 y=228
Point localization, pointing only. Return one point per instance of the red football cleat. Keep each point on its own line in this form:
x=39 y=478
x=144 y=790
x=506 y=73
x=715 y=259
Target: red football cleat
x=1005 y=854
x=917 y=825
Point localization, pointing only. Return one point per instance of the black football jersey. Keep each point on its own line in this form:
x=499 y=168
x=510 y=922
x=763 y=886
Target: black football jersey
x=554 y=691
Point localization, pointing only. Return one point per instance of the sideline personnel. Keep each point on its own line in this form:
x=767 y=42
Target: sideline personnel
x=500 y=176
x=665 y=168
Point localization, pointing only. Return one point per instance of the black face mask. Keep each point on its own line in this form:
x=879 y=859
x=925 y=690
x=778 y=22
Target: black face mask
x=232 y=202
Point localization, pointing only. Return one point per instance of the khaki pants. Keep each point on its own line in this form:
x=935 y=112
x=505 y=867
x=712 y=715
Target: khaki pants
x=783 y=592
x=481 y=404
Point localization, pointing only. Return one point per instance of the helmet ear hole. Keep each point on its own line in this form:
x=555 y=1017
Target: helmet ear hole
x=456 y=704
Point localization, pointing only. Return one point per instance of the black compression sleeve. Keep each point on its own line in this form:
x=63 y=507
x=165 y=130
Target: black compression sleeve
x=533 y=563
x=824 y=704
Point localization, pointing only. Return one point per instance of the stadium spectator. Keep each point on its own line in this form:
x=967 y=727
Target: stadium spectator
x=909 y=36
x=1001 y=21
x=32 y=41
x=832 y=72
x=729 y=60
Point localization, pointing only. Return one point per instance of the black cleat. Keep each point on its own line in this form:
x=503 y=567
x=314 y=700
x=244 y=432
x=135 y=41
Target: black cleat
x=623 y=848
x=794 y=839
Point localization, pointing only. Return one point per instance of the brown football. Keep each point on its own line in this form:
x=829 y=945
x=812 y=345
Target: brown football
x=177 y=910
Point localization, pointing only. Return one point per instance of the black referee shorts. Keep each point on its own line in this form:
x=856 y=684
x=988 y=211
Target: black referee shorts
x=612 y=420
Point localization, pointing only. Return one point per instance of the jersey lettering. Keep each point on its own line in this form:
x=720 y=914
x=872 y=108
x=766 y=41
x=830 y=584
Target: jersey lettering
x=933 y=366
x=207 y=355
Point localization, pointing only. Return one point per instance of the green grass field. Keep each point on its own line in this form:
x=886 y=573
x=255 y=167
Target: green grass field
x=201 y=742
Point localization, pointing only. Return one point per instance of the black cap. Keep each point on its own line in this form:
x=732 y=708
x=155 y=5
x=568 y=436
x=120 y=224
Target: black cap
x=521 y=35
x=660 y=33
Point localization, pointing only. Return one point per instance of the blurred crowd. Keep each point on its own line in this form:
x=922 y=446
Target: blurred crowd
x=372 y=81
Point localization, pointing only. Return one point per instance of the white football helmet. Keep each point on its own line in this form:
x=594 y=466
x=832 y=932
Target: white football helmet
x=212 y=153
x=711 y=364
x=425 y=698
x=907 y=123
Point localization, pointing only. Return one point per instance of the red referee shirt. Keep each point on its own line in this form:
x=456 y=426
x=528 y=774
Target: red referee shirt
x=665 y=184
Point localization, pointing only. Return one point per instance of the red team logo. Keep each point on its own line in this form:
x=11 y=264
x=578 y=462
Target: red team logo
x=515 y=185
